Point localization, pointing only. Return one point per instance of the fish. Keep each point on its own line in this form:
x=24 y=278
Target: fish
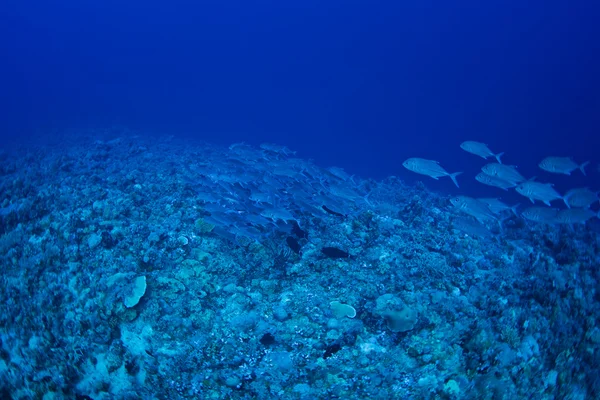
x=261 y=198
x=334 y=252
x=206 y=196
x=276 y=148
x=580 y=198
x=248 y=232
x=471 y=227
x=497 y=207
x=257 y=220
x=293 y=244
x=540 y=214
x=347 y=193
x=489 y=180
x=507 y=173
x=543 y=192
x=221 y=219
x=224 y=233
x=234 y=146
x=561 y=165
x=575 y=216
x=480 y=149
x=278 y=214
x=430 y=168
x=328 y=210
x=298 y=231
x=473 y=207
x=339 y=173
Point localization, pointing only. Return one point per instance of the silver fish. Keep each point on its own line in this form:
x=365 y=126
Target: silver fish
x=261 y=198
x=507 y=173
x=497 y=207
x=480 y=149
x=561 y=165
x=538 y=191
x=574 y=216
x=580 y=197
x=276 y=148
x=339 y=173
x=278 y=214
x=430 y=168
x=471 y=227
x=494 y=181
x=473 y=207
x=540 y=214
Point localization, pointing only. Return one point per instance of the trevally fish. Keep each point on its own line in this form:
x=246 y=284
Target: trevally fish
x=473 y=207
x=540 y=214
x=575 y=216
x=496 y=206
x=561 y=165
x=544 y=192
x=261 y=198
x=430 y=168
x=278 y=214
x=494 y=181
x=339 y=173
x=471 y=227
x=580 y=197
x=276 y=148
x=480 y=149
x=507 y=173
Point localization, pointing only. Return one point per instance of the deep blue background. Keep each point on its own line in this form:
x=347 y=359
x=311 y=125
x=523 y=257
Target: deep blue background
x=359 y=84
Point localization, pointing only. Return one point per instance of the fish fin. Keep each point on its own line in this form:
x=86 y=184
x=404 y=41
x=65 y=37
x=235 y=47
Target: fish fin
x=366 y=198
x=532 y=200
x=566 y=200
x=546 y=202
x=498 y=157
x=453 y=177
x=514 y=209
x=582 y=167
x=500 y=224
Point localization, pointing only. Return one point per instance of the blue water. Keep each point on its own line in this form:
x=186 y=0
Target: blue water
x=356 y=84
x=361 y=85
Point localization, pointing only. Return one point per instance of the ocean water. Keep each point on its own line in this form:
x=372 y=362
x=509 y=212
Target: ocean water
x=208 y=200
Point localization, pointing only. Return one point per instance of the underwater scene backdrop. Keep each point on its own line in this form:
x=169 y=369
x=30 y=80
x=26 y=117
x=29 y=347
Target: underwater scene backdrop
x=299 y=200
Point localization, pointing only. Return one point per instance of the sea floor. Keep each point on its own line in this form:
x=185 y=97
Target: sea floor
x=137 y=267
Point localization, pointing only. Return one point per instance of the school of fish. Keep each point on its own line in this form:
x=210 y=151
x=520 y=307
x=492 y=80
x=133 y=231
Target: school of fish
x=578 y=201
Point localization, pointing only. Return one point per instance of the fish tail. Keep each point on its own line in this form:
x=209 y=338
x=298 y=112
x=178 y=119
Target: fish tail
x=514 y=209
x=498 y=157
x=453 y=177
x=366 y=198
x=582 y=167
